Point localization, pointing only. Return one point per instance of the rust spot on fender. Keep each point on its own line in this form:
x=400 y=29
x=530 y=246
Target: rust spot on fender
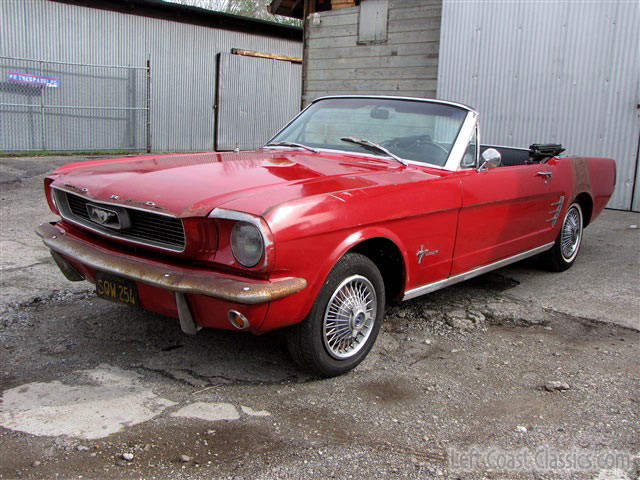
x=581 y=180
x=74 y=189
x=194 y=211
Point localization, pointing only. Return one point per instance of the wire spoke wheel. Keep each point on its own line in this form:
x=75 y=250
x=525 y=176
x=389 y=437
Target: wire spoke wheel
x=344 y=321
x=571 y=233
x=349 y=317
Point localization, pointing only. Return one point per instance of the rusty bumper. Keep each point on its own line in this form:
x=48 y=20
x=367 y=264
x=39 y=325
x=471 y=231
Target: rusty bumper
x=170 y=277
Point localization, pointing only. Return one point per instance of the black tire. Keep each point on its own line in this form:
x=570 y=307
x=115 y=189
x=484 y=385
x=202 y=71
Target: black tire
x=309 y=341
x=559 y=258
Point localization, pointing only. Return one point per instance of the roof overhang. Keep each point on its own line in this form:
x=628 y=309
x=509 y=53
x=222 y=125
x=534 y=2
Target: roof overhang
x=287 y=8
x=192 y=15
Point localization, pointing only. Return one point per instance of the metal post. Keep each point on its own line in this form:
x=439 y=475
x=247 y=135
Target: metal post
x=307 y=9
x=149 y=104
x=42 y=122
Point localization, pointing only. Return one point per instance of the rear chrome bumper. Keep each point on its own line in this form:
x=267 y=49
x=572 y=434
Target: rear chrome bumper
x=170 y=277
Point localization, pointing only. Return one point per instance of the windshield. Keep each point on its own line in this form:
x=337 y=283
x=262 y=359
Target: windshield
x=414 y=130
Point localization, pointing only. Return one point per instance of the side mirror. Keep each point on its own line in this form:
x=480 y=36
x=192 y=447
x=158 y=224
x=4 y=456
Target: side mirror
x=490 y=158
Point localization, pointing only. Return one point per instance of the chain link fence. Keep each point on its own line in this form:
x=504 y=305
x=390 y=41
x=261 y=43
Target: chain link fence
x=62 y=106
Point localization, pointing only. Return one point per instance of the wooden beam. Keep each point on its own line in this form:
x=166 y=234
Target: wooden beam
x=271 y=56
x=336 y=4
x=274 y=6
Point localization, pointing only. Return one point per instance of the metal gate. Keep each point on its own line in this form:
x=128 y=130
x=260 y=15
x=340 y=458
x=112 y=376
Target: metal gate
x=256 y=97
x=57 y=106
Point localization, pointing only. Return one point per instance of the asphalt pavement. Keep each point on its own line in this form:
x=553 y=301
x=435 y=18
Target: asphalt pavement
x=495 y=378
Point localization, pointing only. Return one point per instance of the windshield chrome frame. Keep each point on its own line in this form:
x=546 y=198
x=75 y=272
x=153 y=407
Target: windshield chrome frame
x=462 y=142
x=455 y=154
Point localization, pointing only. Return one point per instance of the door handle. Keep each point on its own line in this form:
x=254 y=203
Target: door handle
x=545 y=174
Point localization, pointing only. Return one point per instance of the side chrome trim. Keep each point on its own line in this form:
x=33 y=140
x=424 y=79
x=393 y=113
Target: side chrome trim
x=432 y=287
x=556 y=211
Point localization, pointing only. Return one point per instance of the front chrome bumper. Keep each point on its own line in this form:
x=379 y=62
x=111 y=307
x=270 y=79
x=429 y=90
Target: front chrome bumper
x=170 y=277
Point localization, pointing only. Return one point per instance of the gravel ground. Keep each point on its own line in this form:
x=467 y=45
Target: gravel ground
x=93 y=389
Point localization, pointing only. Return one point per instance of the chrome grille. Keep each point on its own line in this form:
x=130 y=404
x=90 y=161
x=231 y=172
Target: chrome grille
x=147 y=228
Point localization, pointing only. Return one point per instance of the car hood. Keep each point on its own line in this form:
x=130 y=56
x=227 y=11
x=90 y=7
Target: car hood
x=194 y=184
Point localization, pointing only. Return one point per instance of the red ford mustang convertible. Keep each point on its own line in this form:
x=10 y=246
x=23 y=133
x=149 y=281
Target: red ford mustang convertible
x=358 y=200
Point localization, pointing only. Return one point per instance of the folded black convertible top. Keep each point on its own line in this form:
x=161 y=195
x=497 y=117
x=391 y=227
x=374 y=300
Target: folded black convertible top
x=541 y=151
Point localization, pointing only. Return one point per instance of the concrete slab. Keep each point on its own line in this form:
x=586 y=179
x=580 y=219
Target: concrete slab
x=109 y=399
x=603 y=284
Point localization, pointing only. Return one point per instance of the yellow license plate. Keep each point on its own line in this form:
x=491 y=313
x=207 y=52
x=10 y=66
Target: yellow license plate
x=116 y=289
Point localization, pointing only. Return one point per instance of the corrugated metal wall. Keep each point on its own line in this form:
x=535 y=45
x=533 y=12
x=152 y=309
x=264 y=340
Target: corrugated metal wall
x=555 y=72
x=250 y=112
x=183 y=58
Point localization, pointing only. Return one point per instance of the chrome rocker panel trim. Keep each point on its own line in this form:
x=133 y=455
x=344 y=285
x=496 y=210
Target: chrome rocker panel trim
x=432 y=287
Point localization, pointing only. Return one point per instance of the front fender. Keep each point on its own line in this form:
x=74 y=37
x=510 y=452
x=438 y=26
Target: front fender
x=313 y=233
x=351 y=241
x=291 y=310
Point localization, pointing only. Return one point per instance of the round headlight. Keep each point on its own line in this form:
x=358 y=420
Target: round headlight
x=246 y=244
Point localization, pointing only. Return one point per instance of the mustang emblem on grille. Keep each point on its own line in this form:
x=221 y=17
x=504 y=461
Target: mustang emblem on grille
x=116 y=218
x=102 y=216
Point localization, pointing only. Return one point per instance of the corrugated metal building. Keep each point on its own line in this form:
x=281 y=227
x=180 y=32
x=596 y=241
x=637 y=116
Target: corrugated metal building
x=538 y=72
x=183 y=45
x=550 y=72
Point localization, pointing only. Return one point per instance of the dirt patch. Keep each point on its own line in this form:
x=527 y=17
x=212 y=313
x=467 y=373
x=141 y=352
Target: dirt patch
x=388 y=391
